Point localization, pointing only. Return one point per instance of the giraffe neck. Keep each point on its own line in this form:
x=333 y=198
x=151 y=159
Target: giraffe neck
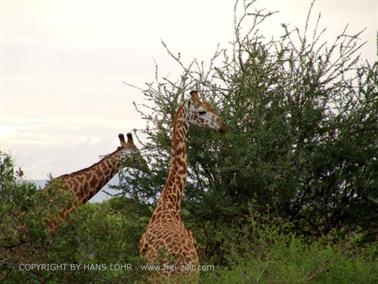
x=172 y=194
x=87 y=182
x=84 y=184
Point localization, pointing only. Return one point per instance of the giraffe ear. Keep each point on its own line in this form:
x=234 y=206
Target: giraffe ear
x=122 y=139
x=195 y=98
x=130 y=138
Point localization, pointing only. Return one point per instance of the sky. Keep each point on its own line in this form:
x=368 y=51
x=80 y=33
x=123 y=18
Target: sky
x=62 y=63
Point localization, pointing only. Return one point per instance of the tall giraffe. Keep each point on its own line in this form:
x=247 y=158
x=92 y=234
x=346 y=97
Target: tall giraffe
x=166 y=241
x=85 y=183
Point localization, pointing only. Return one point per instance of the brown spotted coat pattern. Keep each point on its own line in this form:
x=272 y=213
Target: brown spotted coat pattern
x=166 y=241
x=85 y=183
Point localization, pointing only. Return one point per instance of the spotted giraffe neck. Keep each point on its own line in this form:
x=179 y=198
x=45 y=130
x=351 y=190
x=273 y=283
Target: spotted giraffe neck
x=84 y=184
x=172 y=194
x=87 y=182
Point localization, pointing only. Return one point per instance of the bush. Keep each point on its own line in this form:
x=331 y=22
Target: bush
x=273 y=257
x=100 y=239
x=302 y=143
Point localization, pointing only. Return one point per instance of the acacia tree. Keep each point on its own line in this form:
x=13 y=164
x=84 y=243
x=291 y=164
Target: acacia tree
x=302 y=145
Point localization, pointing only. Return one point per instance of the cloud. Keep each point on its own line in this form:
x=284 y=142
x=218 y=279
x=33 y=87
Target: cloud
x=43 y=146
x=65 y=131
x=63 y=102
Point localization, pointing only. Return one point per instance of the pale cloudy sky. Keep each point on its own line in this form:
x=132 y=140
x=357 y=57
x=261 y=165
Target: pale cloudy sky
x=62 y=100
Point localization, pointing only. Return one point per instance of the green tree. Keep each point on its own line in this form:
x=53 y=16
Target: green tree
x=302 y=145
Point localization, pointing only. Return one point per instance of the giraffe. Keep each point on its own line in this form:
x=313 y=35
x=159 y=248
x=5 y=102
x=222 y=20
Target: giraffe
x=166 y=233
x=84 y=184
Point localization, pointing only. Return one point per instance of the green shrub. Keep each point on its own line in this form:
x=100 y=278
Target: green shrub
x=273 y=257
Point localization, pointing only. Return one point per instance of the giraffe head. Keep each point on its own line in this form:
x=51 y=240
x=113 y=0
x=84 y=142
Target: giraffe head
x=201 y=114
x=130 y=154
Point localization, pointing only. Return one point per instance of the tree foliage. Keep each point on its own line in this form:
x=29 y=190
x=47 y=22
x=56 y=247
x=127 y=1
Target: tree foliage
x=302 y=145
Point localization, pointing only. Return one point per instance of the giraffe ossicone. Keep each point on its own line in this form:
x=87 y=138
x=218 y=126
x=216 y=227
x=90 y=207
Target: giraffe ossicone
x=166 y=242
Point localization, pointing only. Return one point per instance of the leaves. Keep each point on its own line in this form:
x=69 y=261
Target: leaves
x=303 y=126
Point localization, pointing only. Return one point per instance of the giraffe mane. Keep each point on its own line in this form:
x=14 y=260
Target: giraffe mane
x=94 y=165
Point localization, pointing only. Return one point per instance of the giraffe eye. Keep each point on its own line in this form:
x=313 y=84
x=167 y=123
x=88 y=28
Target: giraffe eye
x=201 y=112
